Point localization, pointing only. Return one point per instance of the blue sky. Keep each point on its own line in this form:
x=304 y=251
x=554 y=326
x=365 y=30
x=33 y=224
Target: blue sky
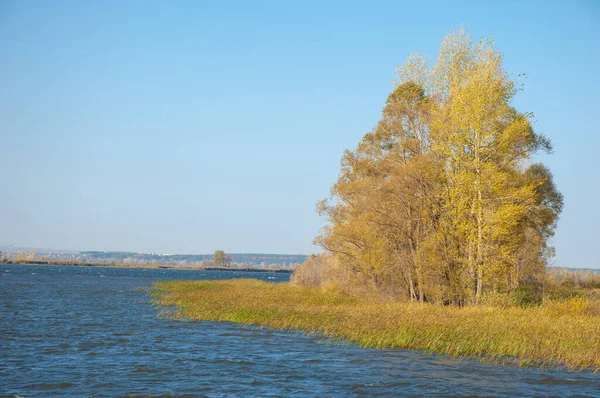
x=190 y=126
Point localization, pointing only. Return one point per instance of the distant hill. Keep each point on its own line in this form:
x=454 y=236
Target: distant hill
x=16 y=249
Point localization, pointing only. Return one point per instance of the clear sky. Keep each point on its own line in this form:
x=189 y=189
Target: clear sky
x=183 y=127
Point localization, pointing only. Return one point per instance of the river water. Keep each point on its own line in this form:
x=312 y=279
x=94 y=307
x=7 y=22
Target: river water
x=81 y=331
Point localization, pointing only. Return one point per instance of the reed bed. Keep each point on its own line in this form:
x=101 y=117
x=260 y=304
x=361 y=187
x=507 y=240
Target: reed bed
x=556 y=334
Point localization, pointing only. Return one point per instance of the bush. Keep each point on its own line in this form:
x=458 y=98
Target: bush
x=529 y=294
x=573 y=306
x=314 y=272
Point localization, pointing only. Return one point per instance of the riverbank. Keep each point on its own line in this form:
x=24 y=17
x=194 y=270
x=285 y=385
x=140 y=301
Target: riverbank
x=562 y=334
x=148 y=266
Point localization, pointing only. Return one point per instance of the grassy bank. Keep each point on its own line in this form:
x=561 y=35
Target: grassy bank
x=556 y=334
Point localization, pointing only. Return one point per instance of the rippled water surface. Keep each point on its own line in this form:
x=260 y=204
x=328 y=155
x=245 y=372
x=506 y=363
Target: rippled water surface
x=77 y=331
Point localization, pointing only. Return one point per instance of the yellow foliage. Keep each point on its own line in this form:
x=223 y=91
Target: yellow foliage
x=436 y=204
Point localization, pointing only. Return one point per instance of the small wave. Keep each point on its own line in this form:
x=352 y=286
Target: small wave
x=88 y=345
x=48 y=386
x=236 y=362
x=144 y=370
x=316 y=360
x=551 y=380
x=51 y=351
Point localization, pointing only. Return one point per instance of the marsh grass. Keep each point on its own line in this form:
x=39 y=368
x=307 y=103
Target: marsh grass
x=563 y=334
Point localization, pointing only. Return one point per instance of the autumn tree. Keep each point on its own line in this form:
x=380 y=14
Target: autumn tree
x=440 y=201
x=221 y=259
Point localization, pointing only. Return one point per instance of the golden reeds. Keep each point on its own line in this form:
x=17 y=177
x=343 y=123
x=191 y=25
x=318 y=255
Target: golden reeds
x=564 y=334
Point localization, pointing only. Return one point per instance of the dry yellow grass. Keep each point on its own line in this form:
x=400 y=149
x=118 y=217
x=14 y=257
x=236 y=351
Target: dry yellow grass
x=565 y=334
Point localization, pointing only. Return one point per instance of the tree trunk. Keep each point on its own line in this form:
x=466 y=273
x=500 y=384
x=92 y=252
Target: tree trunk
x=417 y=270
x=479 y=248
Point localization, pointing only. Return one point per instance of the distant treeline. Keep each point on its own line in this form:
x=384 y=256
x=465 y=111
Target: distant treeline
x=238 y=258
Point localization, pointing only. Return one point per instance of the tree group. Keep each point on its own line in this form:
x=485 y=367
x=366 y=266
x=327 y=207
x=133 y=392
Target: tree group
x=442 y=202
x=221 y=259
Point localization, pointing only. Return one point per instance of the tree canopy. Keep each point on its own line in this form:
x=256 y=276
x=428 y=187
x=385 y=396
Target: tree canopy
x=221 y=259
x=441 y=202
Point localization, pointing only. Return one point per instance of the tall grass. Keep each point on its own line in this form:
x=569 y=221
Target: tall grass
x=565 y=334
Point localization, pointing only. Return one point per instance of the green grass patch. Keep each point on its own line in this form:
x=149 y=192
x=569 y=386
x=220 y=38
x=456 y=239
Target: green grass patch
x=564 y=334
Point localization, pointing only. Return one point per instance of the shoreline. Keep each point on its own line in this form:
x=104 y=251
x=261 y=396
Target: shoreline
x=144 y=266
x=555 y=335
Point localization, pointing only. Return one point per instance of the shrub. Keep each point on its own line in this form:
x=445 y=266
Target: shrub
x=314 y=272
x=529 y=293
